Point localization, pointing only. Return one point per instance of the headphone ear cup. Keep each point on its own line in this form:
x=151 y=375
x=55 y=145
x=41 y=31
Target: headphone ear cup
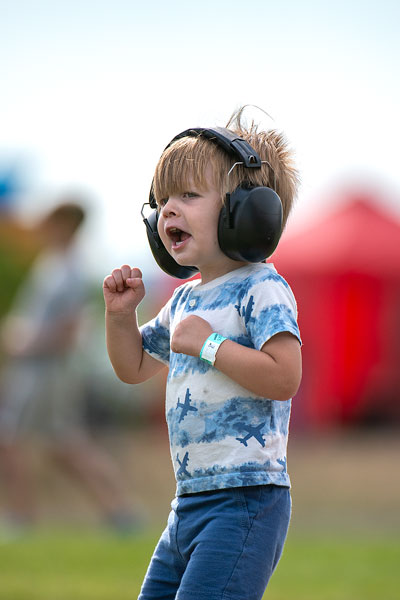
x=255 y=225
x=160 y=253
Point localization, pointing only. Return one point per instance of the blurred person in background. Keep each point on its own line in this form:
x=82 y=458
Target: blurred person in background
x=42 y=392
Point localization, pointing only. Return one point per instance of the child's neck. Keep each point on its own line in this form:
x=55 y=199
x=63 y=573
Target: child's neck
x=210 y=273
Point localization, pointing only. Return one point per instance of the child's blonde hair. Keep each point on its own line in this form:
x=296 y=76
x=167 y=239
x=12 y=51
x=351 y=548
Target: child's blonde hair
x=185 y=163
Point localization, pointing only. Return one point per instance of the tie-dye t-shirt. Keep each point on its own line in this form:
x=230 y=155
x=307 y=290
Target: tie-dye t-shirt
x=221 y=434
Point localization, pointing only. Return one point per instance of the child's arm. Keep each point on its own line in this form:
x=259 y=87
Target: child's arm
x=123 y=291
x=273 y=372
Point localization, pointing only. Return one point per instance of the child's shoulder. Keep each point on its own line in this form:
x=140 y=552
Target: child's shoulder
x=263 y=281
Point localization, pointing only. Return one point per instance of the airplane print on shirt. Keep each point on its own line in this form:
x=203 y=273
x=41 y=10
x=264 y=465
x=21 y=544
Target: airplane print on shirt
x=185 y=406
x=253 y=431
x=182 y=471
x=210 y=425
x=245 y=312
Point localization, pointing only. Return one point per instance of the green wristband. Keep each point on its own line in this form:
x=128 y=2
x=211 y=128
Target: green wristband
x=210 y=348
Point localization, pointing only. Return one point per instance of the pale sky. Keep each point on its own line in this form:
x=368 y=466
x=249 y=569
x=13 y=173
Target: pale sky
x=93 y=90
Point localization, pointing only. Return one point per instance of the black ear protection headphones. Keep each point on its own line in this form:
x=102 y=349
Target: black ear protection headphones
x=250 y=221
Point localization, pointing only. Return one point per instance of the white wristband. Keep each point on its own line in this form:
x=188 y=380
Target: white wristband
x=210 y=348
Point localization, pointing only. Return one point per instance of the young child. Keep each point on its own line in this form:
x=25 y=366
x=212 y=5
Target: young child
x=228 y=399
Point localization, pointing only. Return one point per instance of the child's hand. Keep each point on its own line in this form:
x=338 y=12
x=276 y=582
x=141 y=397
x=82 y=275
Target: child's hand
x=190 y=335
x=123 y=290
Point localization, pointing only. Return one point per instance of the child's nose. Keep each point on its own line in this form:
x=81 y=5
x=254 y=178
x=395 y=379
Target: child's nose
x=171 y=207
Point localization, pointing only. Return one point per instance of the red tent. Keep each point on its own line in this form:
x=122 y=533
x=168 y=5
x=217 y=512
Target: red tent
x=345 y=273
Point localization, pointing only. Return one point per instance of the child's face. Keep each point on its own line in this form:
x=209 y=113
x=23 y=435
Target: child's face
x=188 y=227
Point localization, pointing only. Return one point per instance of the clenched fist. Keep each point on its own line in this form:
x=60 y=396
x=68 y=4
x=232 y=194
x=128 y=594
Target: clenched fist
x=123 y=290
x=190 y=335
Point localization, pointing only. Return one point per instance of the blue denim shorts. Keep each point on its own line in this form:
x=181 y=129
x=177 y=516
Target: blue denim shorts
x=220 y=545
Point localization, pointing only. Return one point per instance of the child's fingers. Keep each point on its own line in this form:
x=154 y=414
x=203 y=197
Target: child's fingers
x=130 y=273
x=109 y=283
x=119 y=282
x=135 y=272
x=122 y=278
x=125 y=272
x=134 y=282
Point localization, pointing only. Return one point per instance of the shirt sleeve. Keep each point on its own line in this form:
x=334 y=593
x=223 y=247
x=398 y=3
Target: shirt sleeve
x=273 y=310
x=156 y=335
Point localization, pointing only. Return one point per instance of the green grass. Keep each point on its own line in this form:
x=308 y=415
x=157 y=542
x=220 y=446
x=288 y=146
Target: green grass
x=338 y=568
x=88 y=566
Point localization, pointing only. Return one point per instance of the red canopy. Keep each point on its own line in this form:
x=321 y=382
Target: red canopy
x=357 y=237
x=345 y=273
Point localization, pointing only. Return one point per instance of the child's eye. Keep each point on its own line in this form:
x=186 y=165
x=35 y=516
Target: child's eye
x=189 y=195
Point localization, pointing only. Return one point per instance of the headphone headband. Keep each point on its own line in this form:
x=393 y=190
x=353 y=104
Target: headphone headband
x=228 y=140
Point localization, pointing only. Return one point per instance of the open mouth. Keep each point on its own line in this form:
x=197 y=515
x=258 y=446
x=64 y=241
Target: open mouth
x=177 y=236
